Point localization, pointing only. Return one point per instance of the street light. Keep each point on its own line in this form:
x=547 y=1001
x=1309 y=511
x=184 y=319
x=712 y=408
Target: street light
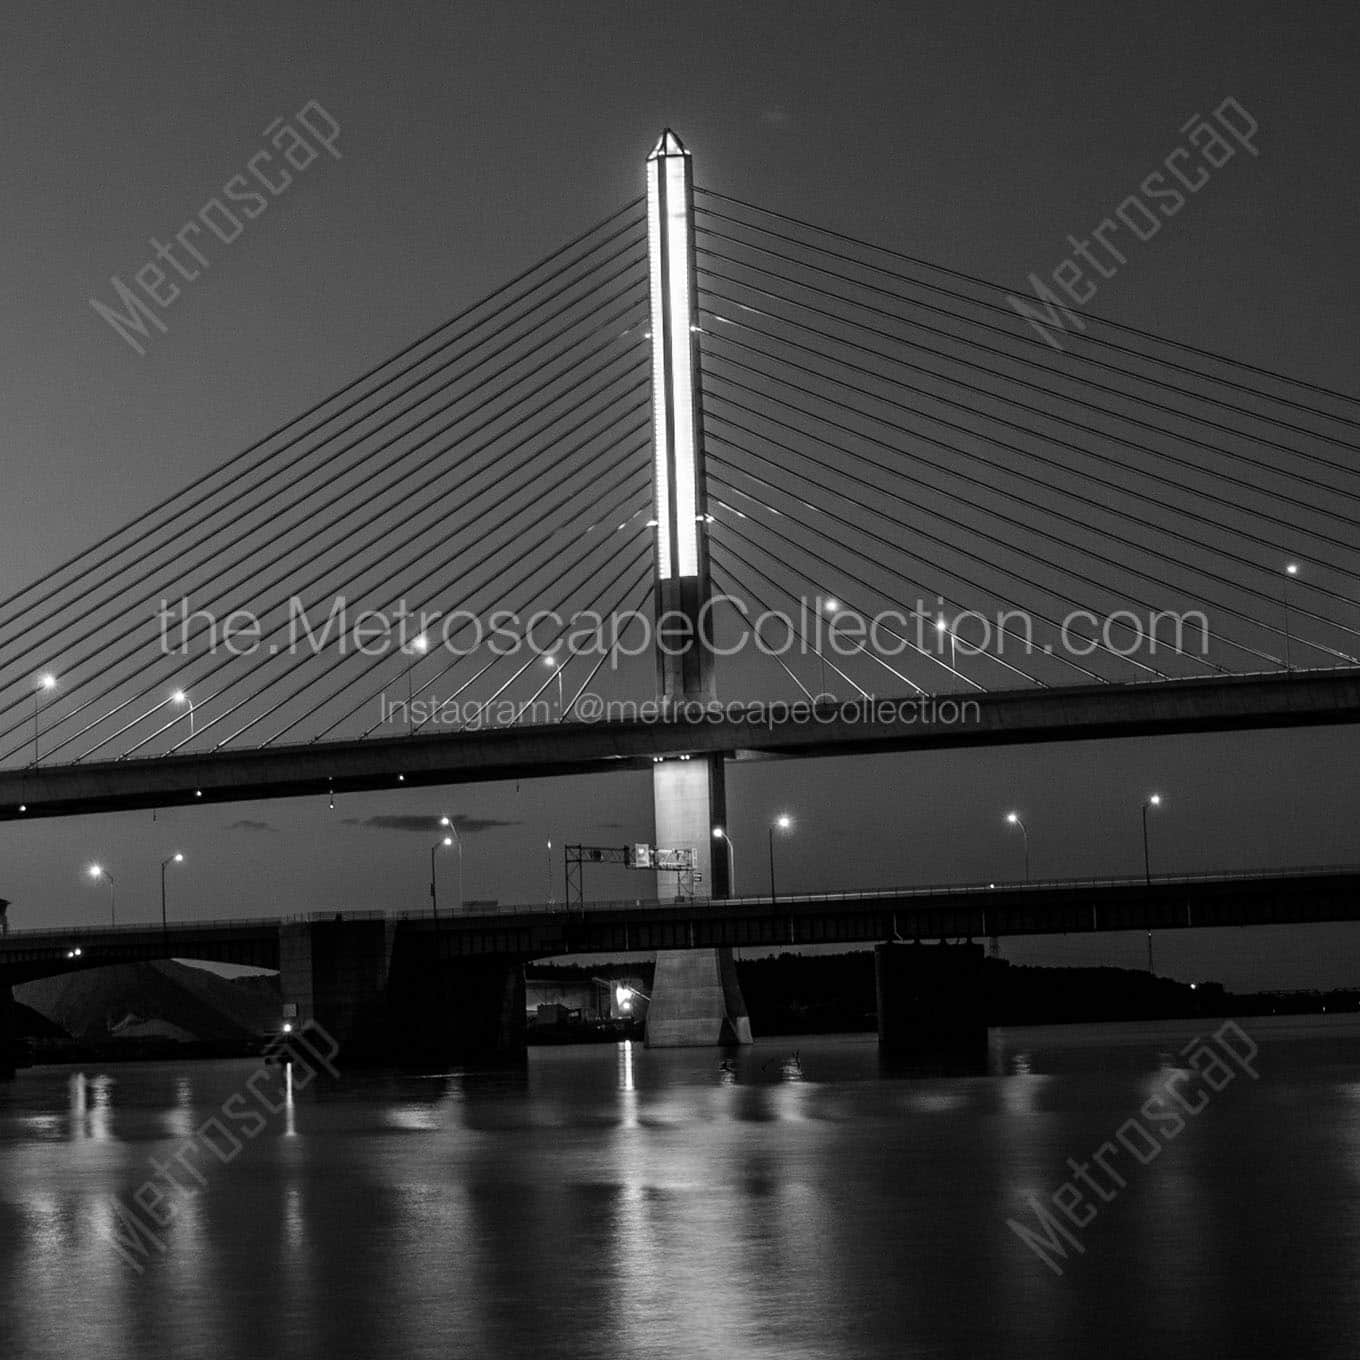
x=1291 y=570
x=944 y=629
x=46 y=683
x=418 y=647
x=831 y=606
x=434 y=893
x=781 y=823
x=447 y=821
x=720 y=834
x=179 y=697
x=1014 y=819
x=1155 y=800
x=554 y=665
x=176 y=858
x=97 y=871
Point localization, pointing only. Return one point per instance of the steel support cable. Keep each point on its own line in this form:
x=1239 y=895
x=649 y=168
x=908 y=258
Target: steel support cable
x=333 y=476
x=341 y=496
x=645 y=579
x=735 y=580
x=999 y=515
x=414 y=534
x=467 y=684
x=471 y=593
x=719 y=571
x=1043 y=509
x=1055 y=393
x=439 y=475
x=972 y=529
x=636 y=559
x=1015 y=473
x=411 y=537
x=638 y=578
x=721 y=335
x=242 y=679
x=334 y=666
x=477 y=675
x=864 y=532
x=780 y=589
x=1301 y=383
x=496 y=659
x=842 y=571
x=1255 y=566
x=326 y=401
x=581 y=560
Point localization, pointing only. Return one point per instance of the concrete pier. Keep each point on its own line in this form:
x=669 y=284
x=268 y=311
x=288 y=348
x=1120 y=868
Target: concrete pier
x=696 y=1000
x=7 y=1039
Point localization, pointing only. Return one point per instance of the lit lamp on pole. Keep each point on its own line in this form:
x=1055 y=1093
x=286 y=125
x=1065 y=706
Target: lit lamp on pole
x=1154 y=801
x=1013 y=819
x=720 y=834
x=554 y=665
x=831 y=607
x=944 y=630
x=781 y=823
x=96 y=872
x=419 y=646
x=47 y=682
x=447 y=823
x=181 y=698
x=176 y=858
x=434 y=887
x=1291 y=570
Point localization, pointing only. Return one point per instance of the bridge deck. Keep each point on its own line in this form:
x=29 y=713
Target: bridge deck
x=1070 y=713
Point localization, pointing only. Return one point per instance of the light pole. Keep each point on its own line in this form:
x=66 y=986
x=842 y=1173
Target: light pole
x=944 y=629
x=1291 y=570
x=447 y=821
x=1154 y=801
x=781 y=823
x=419 y=646
x=720 y=834
x=1013 y=818
x=97 y=871
x=547 y=864
x=831 y=606
x=176 y=858
x=179 y=697
x=434 y=890
x=554 y=665
x=46 y=683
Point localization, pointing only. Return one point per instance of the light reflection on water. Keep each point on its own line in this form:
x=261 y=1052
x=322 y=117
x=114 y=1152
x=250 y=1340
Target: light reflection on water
x=787 y=1201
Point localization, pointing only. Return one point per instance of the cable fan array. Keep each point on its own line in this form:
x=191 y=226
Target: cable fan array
x=886 y=443
x=888 y=439
x=498 y=463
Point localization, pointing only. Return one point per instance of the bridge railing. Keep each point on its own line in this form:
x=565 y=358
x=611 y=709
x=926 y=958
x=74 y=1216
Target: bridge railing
x=80 y=933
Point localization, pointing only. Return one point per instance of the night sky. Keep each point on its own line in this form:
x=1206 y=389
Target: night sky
x=476 y=138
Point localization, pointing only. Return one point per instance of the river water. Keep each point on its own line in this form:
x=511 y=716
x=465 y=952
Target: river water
x=620 y=1202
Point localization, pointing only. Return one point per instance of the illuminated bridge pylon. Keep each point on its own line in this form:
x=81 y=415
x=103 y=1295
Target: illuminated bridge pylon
x=695 y=996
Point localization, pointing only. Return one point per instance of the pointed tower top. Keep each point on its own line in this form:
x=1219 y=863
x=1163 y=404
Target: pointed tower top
x=668 y=144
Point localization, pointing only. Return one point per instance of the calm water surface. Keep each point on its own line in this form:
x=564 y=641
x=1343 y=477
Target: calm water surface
x=620 y=1202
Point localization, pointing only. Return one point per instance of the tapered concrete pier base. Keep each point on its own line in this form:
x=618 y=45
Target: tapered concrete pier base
x=696 y=1001
x=932 y=1006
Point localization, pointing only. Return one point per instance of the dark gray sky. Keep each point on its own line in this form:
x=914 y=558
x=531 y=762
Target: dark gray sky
x=475 y=138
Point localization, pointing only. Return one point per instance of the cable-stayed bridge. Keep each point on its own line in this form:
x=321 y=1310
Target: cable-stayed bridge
x=877 y=441
x=707 y=482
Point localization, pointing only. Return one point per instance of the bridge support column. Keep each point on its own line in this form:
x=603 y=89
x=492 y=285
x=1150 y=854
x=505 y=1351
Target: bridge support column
x=696 y=998
x=932 y=1006
x=335 y=973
